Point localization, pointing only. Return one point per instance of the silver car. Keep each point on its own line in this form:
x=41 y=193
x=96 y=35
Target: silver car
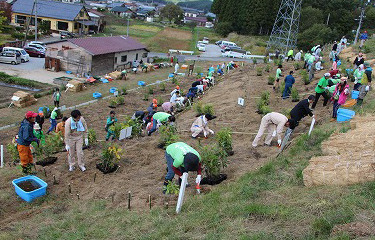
x=10 y=57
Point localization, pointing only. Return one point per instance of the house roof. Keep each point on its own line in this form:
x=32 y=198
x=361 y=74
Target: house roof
x=50 y=9
x=115 y=4
x=105 y=45
x=97 y=13
x=196 y=19
x=120 y=9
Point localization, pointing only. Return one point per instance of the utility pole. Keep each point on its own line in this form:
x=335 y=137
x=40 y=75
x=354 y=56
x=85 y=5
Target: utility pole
x=360 y=23
x=36 y=20
x=127 y=28
x=28 y=19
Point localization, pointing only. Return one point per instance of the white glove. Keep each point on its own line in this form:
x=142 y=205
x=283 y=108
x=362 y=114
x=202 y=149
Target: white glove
x=326 y=88
x=313 y=116
x=67 y=147
x=274 y=133
x=205 y=133
x=367 y=88
x=198 y=179
x=355 y=82
x=212 y=132
x=86 y=141
x=279 y=142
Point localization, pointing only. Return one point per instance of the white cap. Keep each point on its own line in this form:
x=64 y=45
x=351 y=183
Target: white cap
x=327 y=74
x=36 y=126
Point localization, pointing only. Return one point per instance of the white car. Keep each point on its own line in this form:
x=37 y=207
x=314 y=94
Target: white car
x=206 y=40
x=37 y=42
x=39 y=47
x=201 y=47
x=25 y=57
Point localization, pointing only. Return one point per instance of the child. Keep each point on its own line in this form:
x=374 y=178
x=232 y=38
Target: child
x=111 y=120
x=56 y=97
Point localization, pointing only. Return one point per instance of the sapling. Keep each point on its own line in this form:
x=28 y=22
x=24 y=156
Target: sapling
x=265 y=96
x=111 y=155
x=113 y=103
x=198 y=107
x=150 y=90
x=162 y=87
x=214 y=158
x=255 y=61
x=295 y=95
x=224 y=139
x=271 y=80
x=175 y=81
x=259 y=71
x=160 y=101
x=167 y=135
x=267 y=68
x=124 y=90
x=120 y=100
x=208 y=109
x=91 y=136
x=265 y=60
x=145 y=96
x=171 y=188
x=12 y=150
x=297 y=65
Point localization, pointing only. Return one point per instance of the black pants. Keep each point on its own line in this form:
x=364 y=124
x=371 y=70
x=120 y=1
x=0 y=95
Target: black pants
x=290 y=57
x=56 y=103
x=317 y=96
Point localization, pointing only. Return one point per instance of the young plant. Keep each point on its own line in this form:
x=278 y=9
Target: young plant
x=305 y=77
x=12 y=150
x=120 y=100
x=124 y=90
x=265 y=60
x=265 y=96
x=162 y=87
x=92 y=137
x=208 y=109
x=267 y=68
x=295 y=95
x=167 y=135
x=297 y=65
x=255 y=61
x=282 y=87
x=56 y=141
x=150 y=90
x=113 y=103
x=259 y=71
x=214 y=159
x=198 y=107
x=136 y=126
x=175 y=81
x=160 y=100
x=224 y=140
x=145 y=96
x=271 y=80
x=172 y=188
x=46 y=113
x=111 y=155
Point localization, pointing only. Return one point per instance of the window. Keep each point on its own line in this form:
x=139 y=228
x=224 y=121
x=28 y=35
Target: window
x=75 y=25
x=124 y=58
x=115 y=59
x=144 y=55
x=81 y=14
x=62 y=25
x=136 y=56
x=20 y=19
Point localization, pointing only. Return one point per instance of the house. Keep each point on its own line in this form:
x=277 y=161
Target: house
x=200 y=21
x=191 y=12
x=122 y=11
x=97 y=55
x=143 y=13
x=110 y=6
x=58 y=15
x=98 y=19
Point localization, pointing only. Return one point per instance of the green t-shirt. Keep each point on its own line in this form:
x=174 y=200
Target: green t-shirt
x=358 y=75
x=323 y=82
x=311 y=59
x=39 y=135
x=307 y=56
x=290 y=53
x=278 y=73
x=58 y=96
x=178 y=151
x=161 y=116
x=53 y=115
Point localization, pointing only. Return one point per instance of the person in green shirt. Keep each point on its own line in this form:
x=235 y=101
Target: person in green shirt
x=358 y=75
x=38 y=133
x=321 y=90
x=158 y=119
x=290 y=55
x=306 y=58
x=56 y=97
x=111 y=120
x=182 y=158
x=279 y=74
x=52 y=120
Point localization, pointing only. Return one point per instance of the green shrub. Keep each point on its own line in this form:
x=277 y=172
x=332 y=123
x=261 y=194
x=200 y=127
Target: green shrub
x=224 y=140
x=171 y=188
x=214 y=158
x=265 y=96
x=20 y=81
x=198 y=107
x=13 y=152
x=162 y=87
x=271 y=80
x=255 y=61
x=297 y=65
x=150 y=90
x=145 y=96
x=208 y=109
x=295 y=95
x=305 y=77
x=167 y=135
x=124 y=90
x=267 y=68
x=113 y=103
x=37 y=95
x=259 y=71
x=175 y=81
x=265 y=60
x=120 y=100
x=282 y=87
x=136 y=126
x=92 y=137
x=46 y=113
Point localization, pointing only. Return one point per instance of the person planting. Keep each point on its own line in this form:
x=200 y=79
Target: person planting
x=276 y=85
x=25 y=138
x=290 y=55
x=182 y=158
x=153 y=106
x=200 y=126
x=175 y=90
x=168 y=107
x=53 y=121
x=289 y=81
x=138 y=115
x=339 y=96
x=60 y=128
x=75 y=132
x=56 y=97
x=321 y=90
x=38 y=133
x=358 y=75
x=111 y=120
x=271 y=122
x=158 y=119
x=302 y=109
x=40 y=119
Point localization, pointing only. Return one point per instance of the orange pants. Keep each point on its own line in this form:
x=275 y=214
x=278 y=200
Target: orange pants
x=25 y=154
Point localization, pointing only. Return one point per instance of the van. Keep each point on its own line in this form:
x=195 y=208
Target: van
x=10 y=57
x=21 y=52
x=225 y=44
x=39 y=47
x=237 y=53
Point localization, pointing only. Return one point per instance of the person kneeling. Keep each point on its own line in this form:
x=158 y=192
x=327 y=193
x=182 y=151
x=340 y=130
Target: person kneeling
x=200 y=126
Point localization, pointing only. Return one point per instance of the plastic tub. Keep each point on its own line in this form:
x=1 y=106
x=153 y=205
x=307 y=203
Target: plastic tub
x=41 y=109
x=355 y=94
x=29 y=196
x=97 y=95
x=344 y=114
x=141 y=83
x=113 y=90
x=171 y=75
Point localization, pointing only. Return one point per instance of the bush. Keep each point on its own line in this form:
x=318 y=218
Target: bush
x=124 y=90
x=305 y=77
x=162 y=87
x=282 y=87
x=224 y=140
x=296 y=65
x=271 y=80
x=120 y=100
x=208 y=109
x=175 y=81
x=259 y=71
x=265 y=60
x=255 y=61
x=267 y=68
x=150 y=90
x=113 y=103
x=145 y=96
x=214 y=159
x=136 y=126
x=20 y=81
x=111 y=155
x=171 y=188
x=198 y=107
x=167 y=135
x=46 y=113
x=295 y=95
x=265 y=96
x=92 y=137
x=263 y=102
x=13 y=152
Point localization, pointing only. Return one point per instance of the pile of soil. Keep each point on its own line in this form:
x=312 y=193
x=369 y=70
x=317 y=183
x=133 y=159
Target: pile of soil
x=105 y=169
x=46 y=161
x=28 y=185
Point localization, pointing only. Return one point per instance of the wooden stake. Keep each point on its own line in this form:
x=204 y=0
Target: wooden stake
x=69 y=188
x=149 y=200
x=166 y=205
x=45 y=173
x=78 y=196
x=113 y=196
x=94 y=177
x=54 y=179
x=129 y=197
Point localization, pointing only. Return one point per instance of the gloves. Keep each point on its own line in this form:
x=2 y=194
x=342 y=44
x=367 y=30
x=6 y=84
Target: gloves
x=355 y=82
x=313 y=116
x=274 y=133
x=205 y=133
x=279 y=143
x=212 y=132
x=67 y=147
x=86 y=141
x=198 y=179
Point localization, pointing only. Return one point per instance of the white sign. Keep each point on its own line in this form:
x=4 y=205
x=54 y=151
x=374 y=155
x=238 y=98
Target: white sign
x=15 y=98
x=125 y=133
x=241 y=101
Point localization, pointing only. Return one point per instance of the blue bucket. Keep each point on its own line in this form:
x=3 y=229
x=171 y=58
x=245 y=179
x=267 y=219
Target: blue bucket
x=141 y=83
x=68 y=72
x=171 y=75
x=41 y=109
x=97 y=95
x=29 y=196
x=113 y=90
x=355 y=94
x=344 y=114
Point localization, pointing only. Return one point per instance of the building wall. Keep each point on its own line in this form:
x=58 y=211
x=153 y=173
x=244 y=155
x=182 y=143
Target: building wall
x=130 y=57
x=102 y=64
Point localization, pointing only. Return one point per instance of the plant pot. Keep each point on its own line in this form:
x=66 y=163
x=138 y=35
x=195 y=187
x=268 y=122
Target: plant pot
x=213 y=180
x=111 y=107
x=106 y=170
x=46 y=161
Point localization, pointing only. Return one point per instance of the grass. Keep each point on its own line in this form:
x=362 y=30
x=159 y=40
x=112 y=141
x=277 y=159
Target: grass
x=255 y=44
x=21 y=81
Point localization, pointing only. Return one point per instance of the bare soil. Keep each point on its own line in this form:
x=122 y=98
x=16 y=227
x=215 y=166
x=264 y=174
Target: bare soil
x=28 y=185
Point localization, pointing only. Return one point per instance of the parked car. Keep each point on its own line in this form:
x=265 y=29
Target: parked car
x=201 y=47
x=37 y=46
x=10 y=57
x=206 y=40
x=40 y=43
x=33 y=52
x=227 y=49
x=66 y=34
x=19 y=51
x=218 y=43
x=225 y=44
x=237 y=53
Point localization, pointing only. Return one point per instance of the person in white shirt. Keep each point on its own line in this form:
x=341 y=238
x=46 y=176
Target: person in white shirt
x=298 y=56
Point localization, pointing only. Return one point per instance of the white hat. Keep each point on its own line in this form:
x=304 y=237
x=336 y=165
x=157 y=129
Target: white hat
x=327 y=74
x=36 y=126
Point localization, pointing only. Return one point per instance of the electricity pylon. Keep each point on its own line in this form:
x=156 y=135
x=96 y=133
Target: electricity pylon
x=285 y=29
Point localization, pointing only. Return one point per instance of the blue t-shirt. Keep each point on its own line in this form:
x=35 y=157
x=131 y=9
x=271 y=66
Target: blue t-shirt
x=289 y=80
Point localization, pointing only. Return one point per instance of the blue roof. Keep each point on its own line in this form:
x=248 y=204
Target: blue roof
x=50 y=9
x=119 y=9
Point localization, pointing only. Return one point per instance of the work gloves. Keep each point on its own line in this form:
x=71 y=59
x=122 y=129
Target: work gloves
x=279 y=142
x=86 y=141
x=212 y=132
x=198 y=179
x=67 y=147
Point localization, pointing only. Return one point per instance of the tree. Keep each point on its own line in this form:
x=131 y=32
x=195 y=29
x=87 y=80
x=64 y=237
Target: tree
x=370 y=18
x=2 y=21
x=317 y=34
x=309 y=17
x=45 y=27
x=172 y=12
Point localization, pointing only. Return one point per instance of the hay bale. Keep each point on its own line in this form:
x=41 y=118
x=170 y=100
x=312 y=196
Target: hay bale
x=115 y=74
x=77 y=86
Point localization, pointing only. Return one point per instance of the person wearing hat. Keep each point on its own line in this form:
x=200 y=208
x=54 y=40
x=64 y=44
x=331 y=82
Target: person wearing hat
x=271 y=122
x=302 y=109
x=25 y=138
x=200 y=126
x=153 y=106
x=75 y=135
x=182 y=158
x=60 y=127
x=339 y=96
x=38 y=133
x=53 y=121
x=111 y=121
x=175 y=90
x=159 y=119
x=320 y=89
